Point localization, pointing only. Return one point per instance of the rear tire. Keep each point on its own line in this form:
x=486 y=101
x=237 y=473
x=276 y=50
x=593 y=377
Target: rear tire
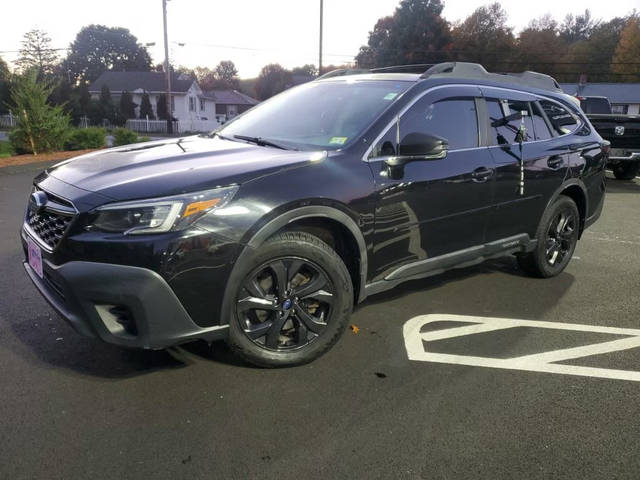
x=626 y=170
x=289 y=302
x=557 y=237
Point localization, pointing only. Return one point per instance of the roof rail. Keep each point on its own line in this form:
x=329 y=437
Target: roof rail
x=477 y=71
x=343 y=71
x=412 y=68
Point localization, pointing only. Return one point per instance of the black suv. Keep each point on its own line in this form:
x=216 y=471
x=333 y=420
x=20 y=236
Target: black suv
x=268 y=231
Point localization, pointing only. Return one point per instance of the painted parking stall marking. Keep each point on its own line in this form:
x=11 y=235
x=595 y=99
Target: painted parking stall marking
x=417 y=345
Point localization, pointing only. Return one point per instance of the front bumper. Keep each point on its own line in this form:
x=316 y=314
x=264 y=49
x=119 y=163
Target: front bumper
x=124 y=305
x=624 y=157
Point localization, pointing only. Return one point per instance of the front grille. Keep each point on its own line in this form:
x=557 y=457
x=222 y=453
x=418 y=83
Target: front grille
x=49 y=226
x=49 y=216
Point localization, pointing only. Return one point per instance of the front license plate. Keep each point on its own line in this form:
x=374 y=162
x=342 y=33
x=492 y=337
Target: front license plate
x=35 y=257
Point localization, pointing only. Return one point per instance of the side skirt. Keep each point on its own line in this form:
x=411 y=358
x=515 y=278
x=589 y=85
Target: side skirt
x=462 y=258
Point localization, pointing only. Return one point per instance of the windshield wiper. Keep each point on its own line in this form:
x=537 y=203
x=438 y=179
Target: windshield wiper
x=219 y=135
x=263 y=142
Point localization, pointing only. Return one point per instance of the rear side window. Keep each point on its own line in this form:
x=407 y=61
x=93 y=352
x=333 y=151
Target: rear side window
x=454 y=119
x=505 y=118
x=561 y=119
x=539 y=123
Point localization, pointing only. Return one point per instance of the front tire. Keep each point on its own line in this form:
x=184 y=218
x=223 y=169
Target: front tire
x=292 y=299
x=557 y=237
x=626 y=170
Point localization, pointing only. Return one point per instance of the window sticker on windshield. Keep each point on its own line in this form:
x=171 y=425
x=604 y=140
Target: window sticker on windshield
x=337 y=140
x=390 y=96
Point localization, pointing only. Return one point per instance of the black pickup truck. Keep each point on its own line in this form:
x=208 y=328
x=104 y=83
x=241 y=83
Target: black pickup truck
x=623 y=131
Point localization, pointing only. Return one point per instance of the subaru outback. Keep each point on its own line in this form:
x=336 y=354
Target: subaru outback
x=267 y=232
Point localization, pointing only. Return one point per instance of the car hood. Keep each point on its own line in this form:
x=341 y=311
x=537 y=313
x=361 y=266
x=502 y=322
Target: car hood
x=173 y=166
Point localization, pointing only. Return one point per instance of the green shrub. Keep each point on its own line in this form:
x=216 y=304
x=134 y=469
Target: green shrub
x=124 y=136
x=6 y=150
x=84 y=138
x=143 y=139
x=40 y=127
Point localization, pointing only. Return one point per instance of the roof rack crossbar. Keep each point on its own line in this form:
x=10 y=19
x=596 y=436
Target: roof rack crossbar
x=477 y=71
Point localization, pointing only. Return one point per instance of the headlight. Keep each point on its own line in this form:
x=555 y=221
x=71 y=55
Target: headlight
x=159 y=214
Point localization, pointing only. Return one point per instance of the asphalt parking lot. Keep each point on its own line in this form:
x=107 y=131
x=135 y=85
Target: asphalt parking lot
x=74 y=408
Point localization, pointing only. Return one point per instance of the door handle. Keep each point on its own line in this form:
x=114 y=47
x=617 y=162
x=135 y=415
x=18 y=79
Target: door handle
x=481 y=174
x=555 y=162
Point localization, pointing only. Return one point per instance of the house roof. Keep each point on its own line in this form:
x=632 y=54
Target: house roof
x=149 y=81
x=230 y=97
x=625 y=93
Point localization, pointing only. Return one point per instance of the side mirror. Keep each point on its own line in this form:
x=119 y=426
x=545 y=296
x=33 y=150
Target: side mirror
x=419 y=146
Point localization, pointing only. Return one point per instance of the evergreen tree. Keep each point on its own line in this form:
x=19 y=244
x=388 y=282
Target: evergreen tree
x=107 y=108
x=145 y=107
x=127 y=106
x=161 y=107
x=36 y=52
x=40 y=127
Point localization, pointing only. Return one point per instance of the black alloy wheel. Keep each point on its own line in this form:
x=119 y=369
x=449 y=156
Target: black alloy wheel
x=285 y=303
x=561 y=237
x=557 y=237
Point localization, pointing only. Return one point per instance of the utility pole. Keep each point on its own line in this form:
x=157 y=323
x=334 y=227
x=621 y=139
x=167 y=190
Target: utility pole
x=320 y=49
x=167 y=73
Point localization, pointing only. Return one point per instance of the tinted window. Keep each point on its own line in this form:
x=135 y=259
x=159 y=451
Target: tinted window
x=386 y=146
x=539 y=123
x=452 y=119
x=561 y=119
x=505 y=118
x=595 y=105
x=318 y=115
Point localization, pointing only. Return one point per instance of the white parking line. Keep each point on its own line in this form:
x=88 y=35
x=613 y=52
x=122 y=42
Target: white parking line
x=540 y=362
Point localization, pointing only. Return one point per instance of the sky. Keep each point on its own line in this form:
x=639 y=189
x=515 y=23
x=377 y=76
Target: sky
x=252 y=33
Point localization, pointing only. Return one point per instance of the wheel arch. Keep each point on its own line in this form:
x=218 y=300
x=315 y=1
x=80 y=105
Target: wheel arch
x=576 y=190
x=331 y=225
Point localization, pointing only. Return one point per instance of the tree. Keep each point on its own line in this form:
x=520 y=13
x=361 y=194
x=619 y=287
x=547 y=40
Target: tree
x=206 y=78
x=485 y=38
x=127 y=107
x=5 y=81
x=308 y=70
x=40 y=127
x=4 y=70
x=578 y=27
x=98 y=48
x=224 y=75
x=36 y=52
x=416 y=33
x=145 y=107
x=161 y=107
x=627 y=56
x=227 y=74
x=273 y=79
x=107 y=109
x=539 y=46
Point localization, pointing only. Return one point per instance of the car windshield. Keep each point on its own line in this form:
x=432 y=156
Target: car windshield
x=317 y=115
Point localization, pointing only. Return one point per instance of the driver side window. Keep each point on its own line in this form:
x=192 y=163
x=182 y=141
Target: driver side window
x=454 y=119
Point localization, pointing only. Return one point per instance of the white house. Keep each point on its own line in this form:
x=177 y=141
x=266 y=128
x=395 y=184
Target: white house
x=194 y=110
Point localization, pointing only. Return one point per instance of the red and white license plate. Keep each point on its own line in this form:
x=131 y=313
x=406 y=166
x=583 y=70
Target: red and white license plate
x=35 y=257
